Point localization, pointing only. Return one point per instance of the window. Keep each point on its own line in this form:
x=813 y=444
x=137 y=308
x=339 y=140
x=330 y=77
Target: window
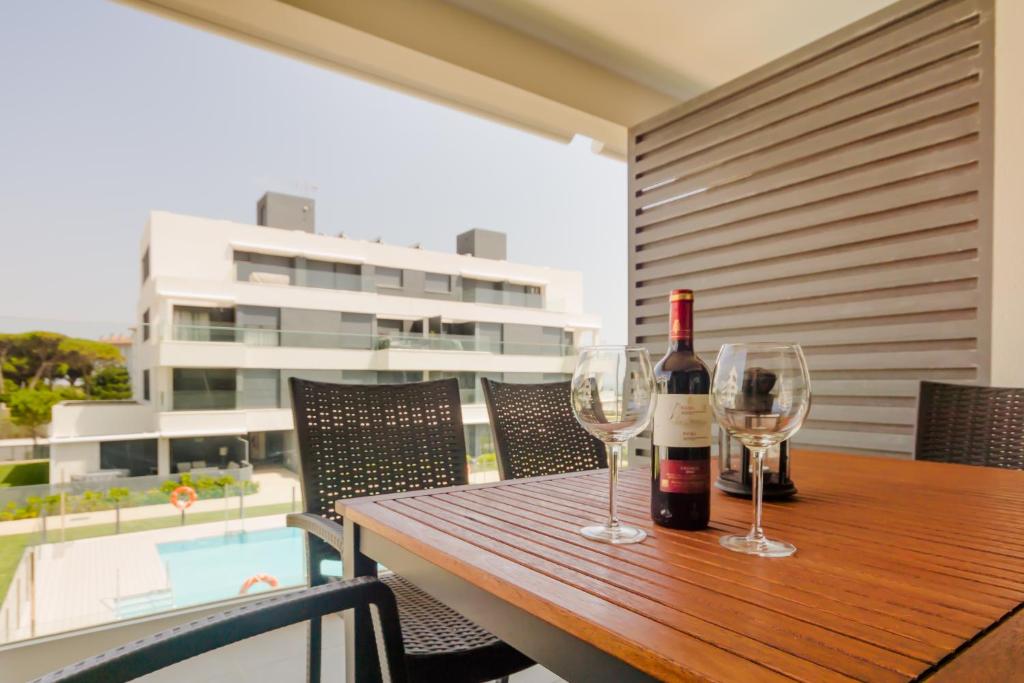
x=145 y=325
x=260 y=388
x=145 y=385
x=203 y=323
x=359 y=376
x=137 y=456
x=533 y=297
x=145 y=265
x=387 y=327
x=205 y=452
x=438 y=283
x=349 y=276
x=389 y=277
x=204 y=389
x=331 y=275
x=399 y=376
x=319 y=274
x=264 y=268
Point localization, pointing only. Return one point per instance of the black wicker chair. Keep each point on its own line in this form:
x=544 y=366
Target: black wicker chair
x=361 y=440
x=970 y=425
x=535 y=431
x=141 y=657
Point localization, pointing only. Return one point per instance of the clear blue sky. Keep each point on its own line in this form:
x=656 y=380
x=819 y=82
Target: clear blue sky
x=109 y=112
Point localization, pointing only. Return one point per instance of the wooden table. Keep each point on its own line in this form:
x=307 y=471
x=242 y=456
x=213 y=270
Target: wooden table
x=901 y=568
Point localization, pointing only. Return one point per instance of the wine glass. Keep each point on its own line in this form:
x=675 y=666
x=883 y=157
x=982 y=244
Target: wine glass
x=760 y=393
x=613 y=398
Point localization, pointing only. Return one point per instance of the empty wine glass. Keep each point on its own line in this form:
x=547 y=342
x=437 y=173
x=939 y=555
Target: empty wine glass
x=760 y=393
x=613 y=398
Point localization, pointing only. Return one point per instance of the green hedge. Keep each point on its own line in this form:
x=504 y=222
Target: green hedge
x=94 y=501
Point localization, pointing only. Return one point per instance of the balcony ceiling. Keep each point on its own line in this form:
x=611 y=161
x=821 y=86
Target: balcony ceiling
x=554 y=67
x=677 y=47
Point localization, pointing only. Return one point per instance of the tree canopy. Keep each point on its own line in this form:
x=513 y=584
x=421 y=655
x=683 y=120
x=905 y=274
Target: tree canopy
x=40 y=369
x=111 y=383
x=32 y=358
x=32 y=408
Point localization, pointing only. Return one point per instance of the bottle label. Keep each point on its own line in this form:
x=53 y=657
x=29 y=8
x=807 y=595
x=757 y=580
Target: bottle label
x=684 y=476
x=682 y=421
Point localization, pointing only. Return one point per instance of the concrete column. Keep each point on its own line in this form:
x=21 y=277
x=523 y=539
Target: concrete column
x=1008 y=200
x=163 y=456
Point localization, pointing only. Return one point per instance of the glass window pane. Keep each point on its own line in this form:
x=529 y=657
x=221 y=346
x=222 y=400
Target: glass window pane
x=137 y=456
x=260 y=388
x=319 y=274
x=348 y=276
x=438 y=282
x=264 y=268
x=204 y=389
x=389 y=277
x=190 y=454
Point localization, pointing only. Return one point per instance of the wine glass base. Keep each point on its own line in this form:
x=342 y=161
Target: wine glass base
x=619 y=535
x=762 y=548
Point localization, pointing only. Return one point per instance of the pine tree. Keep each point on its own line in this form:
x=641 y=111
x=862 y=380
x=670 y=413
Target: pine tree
x=111 y=383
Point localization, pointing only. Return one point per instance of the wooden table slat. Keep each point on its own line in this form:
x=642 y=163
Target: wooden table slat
x=899 y=565
x=877 y=565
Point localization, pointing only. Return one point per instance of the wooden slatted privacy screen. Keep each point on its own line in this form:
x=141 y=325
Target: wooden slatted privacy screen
x=839 y=197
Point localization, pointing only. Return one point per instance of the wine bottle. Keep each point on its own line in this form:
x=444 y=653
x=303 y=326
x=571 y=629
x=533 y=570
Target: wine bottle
x=681 y=429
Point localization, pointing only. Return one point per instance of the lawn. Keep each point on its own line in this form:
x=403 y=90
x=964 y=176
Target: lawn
x=26 y=473
x=11 y=546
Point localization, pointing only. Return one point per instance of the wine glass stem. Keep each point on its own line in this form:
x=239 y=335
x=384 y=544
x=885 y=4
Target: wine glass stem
x=614 y=451
x=757 y=489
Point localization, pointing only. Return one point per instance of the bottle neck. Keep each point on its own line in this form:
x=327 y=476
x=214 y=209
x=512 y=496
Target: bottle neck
x=680 y=325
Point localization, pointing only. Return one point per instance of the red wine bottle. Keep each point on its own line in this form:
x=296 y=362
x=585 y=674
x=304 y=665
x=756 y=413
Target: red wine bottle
x=681 y=429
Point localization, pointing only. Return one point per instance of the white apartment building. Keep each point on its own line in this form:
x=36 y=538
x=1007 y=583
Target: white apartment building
x=229 y=312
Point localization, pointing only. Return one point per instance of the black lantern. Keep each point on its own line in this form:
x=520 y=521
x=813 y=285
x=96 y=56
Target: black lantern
x=734 y=461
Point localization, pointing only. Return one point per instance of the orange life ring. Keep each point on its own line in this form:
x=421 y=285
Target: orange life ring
x=188 y=492
x=258 y=578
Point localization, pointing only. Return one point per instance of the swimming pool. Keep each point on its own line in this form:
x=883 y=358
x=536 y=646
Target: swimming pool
x=216 y=568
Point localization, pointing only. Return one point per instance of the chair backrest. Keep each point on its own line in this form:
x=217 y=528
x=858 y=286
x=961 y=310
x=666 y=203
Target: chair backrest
x=970 y=425
x=363 y=440
x=535 y=431
x=144 y=656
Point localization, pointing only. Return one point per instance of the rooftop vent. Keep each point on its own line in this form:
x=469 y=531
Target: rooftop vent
x=276 y=210
x=483 y=244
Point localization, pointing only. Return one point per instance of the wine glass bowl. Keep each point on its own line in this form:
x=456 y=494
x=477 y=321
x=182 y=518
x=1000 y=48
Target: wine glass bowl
x=760 y=393
x=613 y=398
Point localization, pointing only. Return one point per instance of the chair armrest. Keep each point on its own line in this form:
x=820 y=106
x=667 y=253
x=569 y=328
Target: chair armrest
x=327 y=531
x=179 y=643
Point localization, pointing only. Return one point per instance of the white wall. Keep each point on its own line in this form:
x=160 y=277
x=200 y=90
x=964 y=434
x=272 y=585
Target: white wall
x=1008 y=208
x=95 y=418
x=68 y=459
x=200 y=250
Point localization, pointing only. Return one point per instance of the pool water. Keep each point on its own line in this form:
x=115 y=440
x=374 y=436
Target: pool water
x=215 y=568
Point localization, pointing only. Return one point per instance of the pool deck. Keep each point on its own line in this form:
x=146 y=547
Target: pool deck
x=77 y=582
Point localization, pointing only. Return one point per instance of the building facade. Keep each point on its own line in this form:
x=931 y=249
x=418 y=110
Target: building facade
x=228 y=312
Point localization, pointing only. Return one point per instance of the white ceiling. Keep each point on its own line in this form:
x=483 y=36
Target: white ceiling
x=679 y=47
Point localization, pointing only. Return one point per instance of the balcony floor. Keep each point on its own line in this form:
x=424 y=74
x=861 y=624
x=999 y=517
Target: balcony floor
x=281 y=657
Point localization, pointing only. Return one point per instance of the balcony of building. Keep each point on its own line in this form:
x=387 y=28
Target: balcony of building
x=852 y=191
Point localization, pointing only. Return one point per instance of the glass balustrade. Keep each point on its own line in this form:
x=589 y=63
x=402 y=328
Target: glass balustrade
x=503 y=298
x=339 y=340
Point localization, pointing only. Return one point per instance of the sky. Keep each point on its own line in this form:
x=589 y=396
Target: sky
x=108 y=112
